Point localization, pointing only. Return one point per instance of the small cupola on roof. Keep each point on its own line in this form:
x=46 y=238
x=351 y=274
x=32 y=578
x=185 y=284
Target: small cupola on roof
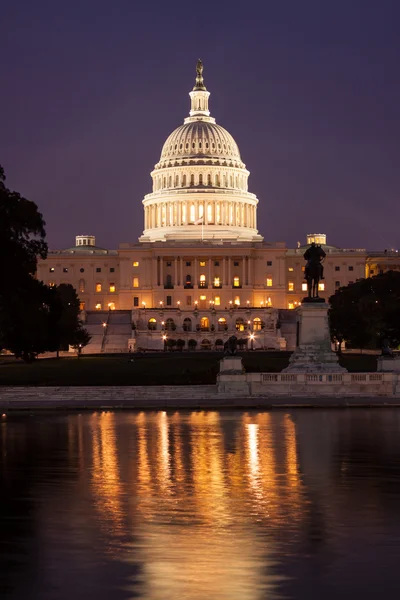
x=200 y=184
x=85 y=240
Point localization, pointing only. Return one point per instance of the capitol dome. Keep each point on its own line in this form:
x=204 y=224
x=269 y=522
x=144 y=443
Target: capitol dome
x=200 y=182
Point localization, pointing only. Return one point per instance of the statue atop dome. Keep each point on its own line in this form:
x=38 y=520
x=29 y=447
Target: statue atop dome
x=199 y=77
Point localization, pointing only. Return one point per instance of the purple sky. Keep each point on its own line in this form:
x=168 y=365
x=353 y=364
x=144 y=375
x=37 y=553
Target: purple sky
x=309 y=89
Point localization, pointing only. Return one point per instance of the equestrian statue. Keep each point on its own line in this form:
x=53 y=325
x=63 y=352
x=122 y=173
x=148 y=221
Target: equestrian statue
x=314 y=271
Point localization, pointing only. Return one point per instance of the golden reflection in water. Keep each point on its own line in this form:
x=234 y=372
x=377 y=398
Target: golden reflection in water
x=106 y=484
x=253 y=462
x=207 y=454
x=163 y=471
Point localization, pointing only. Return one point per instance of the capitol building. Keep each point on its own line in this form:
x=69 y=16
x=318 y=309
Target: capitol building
x=201 y=271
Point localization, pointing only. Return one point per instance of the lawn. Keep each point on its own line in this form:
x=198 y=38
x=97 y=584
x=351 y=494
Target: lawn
x=173 y=368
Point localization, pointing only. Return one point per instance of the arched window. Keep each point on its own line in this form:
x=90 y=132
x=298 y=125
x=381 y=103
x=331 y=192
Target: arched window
x=192 y=179
x=217 y=180
x=257 y=324
x=176 y=180
x=187 y=324
x=240 y=325
x=204 y=324
x=170 y=325
x=208 y=179
x=184 y=181
x=170 y=181
x=152 y=324
x=202 y=281
x=206 y=344
x=188 y=282
x=236 y=282
x=222 y=326
x=200 y=179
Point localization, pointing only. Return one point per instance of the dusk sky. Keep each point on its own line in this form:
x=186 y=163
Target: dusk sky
x=309 y=89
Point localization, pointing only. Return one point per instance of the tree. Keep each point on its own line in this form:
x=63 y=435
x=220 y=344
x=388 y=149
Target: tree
x=30 y=326
x=365 y=313
x=68 y=322
x=180 y=344
x=27 y=306
x=22 y=235
x=81 y=338
x=192 y=344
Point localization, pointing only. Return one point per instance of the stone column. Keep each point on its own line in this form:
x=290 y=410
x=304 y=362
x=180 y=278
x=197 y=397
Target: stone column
x=209 y=270
x=196 y=277
x=223 y=271
x=181 y=271
x=229 y=272
x=179 y=213
x=156 y=278
x=175 y=271
x=161 y=271
x=244 y=270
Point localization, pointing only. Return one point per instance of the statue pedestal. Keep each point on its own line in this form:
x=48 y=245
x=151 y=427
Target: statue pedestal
x=313 y=353
x=231 y=378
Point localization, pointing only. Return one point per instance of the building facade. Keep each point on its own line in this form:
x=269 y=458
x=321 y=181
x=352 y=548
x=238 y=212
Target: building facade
x=201 y=271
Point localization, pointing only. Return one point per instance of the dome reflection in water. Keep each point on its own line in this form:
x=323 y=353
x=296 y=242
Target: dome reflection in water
x=200 y=505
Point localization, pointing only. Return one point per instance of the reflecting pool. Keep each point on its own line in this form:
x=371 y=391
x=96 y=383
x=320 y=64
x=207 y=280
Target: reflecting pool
x=201 y=505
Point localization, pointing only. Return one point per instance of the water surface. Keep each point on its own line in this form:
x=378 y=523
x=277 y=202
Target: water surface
x=201 y=505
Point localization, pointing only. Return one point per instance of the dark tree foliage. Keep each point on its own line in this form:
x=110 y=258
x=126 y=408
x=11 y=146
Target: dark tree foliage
x=69 y=319
x=366 y=313
x=81 y=338
x=30 y=324
x=21 y=235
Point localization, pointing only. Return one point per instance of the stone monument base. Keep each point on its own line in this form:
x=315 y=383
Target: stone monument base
x=313 y=353
x=231 y=378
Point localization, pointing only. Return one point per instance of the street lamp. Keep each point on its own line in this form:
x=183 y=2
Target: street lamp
x=251 y=341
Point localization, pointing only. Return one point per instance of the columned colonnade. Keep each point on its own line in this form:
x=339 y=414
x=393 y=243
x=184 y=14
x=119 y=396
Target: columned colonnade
x=223 y=271
x=184 y=212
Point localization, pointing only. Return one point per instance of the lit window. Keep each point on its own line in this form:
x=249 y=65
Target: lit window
x=135 y=263
x=269 y=301
x=203 y=297
x=51 y=270
x=291 y=286
x=81 y=305
x=202 y=280
x=217 y=301
x=237 y=300
x=257 y=324
x=112 y=287
x=269 y=281
x=202 y=263
x=136 y=282
x=303 y=269
x=304 y=287
x=111 y=306
x=217 y=282
x=65 y=270
x=290 y=305
x=98 y=306
x=321 y=287
x=236 y=282
x=51 y=284
x=152 y=324
x=290 y=269
x=98 y=287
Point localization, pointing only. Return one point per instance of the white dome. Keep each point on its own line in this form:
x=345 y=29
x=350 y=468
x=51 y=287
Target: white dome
x=200 y=184
x=200 y=140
